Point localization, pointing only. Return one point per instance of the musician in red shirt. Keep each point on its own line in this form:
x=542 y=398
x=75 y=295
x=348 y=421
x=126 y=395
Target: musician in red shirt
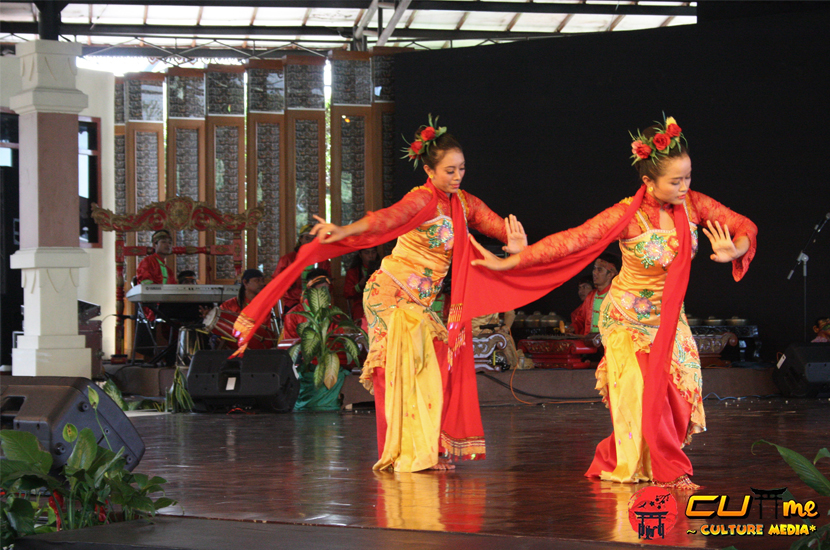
x=293 y=295
x=585 y=319
x=363 y=266
x=153 y=269
x=252 y=282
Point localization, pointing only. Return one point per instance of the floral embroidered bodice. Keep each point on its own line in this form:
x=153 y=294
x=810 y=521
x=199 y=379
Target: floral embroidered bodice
x=638 y=290
x=422 y=257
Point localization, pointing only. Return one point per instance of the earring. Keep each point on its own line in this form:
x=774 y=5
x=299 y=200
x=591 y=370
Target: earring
x=651 y=189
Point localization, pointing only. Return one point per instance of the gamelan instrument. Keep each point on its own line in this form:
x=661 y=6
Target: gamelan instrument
x=220 y=323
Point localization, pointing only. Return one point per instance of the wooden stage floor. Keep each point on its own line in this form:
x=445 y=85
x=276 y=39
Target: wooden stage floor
x=306 y=474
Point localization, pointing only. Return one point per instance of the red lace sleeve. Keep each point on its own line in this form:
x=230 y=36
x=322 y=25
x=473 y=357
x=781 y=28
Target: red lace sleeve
x=387 y=219
x=481 y=218
x=559 y=245
x=707 y=208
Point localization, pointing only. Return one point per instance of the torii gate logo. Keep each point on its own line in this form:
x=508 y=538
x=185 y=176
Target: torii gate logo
x=652 y=512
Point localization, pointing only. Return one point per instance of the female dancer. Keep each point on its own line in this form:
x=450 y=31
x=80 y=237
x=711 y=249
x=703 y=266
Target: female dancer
x=423 y=407
x=650 y=375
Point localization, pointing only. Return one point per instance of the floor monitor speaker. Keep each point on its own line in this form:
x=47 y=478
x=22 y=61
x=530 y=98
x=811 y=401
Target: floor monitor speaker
x=803 y=370
x=44 y=405
x=263 y=379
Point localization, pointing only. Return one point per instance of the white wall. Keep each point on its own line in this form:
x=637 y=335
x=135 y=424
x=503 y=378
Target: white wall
x=97 y=283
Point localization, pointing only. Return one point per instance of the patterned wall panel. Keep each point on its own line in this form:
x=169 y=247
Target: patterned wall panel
x=383 y=78
x=307 y=158
x=266 y=90
x=185 y=96
x=351 y=82
x=389 y=157
x=120 y=174
x=187 y=185
x=353 y=173
x=225 y=93
x=227 y=189
x=145 y=100
x=268 y=194
x=146 y=176
x=304 y=86
x=119 y=103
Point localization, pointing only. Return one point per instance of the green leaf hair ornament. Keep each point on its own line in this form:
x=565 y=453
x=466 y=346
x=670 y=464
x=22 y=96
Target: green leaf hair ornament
x=424 y=139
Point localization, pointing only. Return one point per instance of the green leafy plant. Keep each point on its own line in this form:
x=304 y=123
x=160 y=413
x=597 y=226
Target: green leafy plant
x=94 y=488
x=178 y=398
x=322 y=336
x=129 y=405
x=809 y=474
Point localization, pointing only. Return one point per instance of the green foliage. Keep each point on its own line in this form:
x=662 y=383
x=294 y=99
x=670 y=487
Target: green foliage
x=322 y=336
x=178 y=398
x=809 y=474
x=95 y=487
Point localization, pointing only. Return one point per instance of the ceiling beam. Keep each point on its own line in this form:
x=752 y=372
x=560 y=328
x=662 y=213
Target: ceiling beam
x=680 y=9
x=181 y=31
x=263 y=33
x=400 y=7
x=367 y=17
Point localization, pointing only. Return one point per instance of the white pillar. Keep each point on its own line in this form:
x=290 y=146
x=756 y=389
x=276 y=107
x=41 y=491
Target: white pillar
x=49 y=255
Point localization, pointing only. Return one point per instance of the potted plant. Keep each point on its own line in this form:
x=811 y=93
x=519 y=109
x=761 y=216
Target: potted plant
x=326 y=334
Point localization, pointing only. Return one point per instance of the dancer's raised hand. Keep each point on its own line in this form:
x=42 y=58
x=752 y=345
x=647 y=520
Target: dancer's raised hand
x=491 y=261
x=723 y=248
x=516 y=236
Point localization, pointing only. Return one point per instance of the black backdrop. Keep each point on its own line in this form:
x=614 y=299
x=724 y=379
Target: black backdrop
x=544 y=125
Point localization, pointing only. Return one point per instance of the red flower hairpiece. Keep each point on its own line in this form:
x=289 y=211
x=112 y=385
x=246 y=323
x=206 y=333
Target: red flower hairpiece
x=667 y=138
x=424 y=138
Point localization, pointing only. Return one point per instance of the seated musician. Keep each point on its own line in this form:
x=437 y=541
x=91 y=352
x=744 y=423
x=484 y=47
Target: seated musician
x=252 y=282
x=221 y=325
x=822 y=330
x=585 y=319
x=153 y=270
x=583 y=289
x=186 y=277
x=295 y=292
x=316 y=278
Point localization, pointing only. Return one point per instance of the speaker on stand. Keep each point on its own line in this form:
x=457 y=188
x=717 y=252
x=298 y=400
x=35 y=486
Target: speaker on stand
x=803 y=371
x=262 y=379
x=44 y=405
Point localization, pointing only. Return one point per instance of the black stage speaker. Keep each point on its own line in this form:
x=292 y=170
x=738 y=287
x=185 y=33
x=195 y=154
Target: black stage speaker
x=259 y=379
x=43 y=405
x=803 y=370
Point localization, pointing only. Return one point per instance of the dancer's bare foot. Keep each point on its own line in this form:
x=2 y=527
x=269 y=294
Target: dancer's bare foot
x=443 y=464
x=683 y=483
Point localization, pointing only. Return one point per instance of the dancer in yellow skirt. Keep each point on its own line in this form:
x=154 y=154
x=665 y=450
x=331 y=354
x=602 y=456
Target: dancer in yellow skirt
x=650 y=375
x=418 y=415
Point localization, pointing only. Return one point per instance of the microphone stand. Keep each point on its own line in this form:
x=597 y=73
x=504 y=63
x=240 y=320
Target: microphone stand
x=802 y=259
